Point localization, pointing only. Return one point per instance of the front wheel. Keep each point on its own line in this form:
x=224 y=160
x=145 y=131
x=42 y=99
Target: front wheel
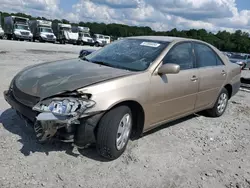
x=97 y=44
x=14 y=37
x=220 y=105
x=113 y=132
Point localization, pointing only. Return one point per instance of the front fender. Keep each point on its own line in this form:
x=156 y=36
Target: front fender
x=110 y=93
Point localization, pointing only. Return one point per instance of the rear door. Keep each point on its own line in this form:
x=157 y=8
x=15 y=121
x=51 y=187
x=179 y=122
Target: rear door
x=212 y=74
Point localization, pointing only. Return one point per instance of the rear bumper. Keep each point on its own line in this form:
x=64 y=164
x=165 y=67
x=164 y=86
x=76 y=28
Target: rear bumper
x=26 y=111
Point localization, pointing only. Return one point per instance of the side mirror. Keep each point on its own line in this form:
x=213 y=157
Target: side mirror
x=169 y=69
x=84 y=53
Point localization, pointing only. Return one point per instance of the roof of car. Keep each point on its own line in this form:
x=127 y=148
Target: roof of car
x=163 y=38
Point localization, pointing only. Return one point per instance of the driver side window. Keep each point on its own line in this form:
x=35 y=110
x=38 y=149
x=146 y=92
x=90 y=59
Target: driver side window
x=182 y=55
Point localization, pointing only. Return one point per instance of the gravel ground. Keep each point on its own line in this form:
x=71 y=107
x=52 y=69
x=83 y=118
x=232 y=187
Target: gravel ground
x=193 y=152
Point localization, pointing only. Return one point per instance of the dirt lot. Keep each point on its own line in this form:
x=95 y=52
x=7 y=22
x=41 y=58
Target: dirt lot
x=194 y=152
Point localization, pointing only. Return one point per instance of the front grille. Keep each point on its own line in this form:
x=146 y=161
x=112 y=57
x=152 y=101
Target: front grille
x=50 y=36
x=25 y=33
x=89 y=40
x=27 y=100
x=104 y=42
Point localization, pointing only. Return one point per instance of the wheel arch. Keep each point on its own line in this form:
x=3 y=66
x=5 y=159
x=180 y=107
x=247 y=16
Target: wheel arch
x=229 y=88
x=137 y=112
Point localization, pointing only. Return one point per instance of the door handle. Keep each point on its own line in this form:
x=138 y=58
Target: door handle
x=223 y=72
x=194 y=79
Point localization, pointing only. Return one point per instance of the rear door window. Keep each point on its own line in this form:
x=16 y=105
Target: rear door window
x=205 y=56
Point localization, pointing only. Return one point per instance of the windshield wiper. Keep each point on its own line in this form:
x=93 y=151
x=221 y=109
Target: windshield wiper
x=113 y=66
x=84 y=58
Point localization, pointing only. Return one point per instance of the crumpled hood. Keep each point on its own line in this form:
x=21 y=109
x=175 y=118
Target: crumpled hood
x=48 y=79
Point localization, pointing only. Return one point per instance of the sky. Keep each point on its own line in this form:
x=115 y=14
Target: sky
x=160 y=15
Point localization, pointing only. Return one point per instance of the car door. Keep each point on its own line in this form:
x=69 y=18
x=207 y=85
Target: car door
x=172 y=95
x=212 y=74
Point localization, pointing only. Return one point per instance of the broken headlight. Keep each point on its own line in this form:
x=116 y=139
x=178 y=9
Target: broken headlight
x=64 y=106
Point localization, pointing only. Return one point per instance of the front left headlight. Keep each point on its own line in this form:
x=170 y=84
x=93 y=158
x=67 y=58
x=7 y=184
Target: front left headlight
x=43 y=36
x=17 y=32
x=67 y=106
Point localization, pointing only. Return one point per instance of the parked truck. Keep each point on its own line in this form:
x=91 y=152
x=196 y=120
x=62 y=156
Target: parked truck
x=99 y=40
x=1 y=29
x=42 y=31
x=84 y=37
x=107 y=38
x=17 y=28
x=64 y=34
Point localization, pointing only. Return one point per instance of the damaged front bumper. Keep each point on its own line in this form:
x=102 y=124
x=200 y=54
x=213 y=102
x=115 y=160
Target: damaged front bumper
x=82 y=130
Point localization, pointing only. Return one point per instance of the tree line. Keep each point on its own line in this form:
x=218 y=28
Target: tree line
x=233 y=42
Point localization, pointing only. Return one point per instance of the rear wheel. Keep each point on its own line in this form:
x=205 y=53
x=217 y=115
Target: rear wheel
x=220 y=105
x=113 y=132
x=5 y=37
x=8 y=37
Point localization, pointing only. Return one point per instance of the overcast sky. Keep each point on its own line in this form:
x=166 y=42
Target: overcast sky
x=212 y=15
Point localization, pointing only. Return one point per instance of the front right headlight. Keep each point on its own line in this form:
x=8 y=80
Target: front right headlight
x=67 y=106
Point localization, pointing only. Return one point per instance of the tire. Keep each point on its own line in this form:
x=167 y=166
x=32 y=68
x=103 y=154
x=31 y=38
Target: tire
x=9 y=37
x=215 y=112
x=14 y=37
x=5 y=37
x=107 y=133
x=97 y=44
x=40 y=39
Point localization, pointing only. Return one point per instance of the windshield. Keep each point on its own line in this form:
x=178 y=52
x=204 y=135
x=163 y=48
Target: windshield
x=45 y=29
x=106 y=37
x=86 y=35
x=130 y=54
x=237 y=56
x=66 y=29
x=100 y=37
x=24 y=27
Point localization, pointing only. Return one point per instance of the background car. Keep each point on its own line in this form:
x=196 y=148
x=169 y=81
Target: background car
x=241 y=59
